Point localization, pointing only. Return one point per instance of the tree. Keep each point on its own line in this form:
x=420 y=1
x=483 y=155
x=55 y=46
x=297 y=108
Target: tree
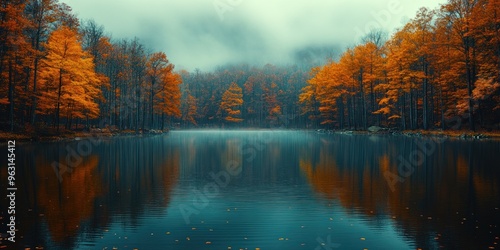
x=272 y=103
x=68 y=78
x=41 y=14
x=158 y=67
x=458 y=14
x=169 y=103
x=230 y=106
x=14 y=51
x=189 y=111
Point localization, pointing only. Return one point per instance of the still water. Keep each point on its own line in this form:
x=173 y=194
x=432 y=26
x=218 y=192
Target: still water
x=256 y=190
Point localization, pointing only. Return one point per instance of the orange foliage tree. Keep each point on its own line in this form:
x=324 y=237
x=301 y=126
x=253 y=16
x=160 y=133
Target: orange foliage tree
x=69 y=83
x=230 y=106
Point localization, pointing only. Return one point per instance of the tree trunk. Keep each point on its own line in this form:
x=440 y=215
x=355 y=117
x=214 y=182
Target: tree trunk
x=403 y=115
x=11 y=97
x=59 y=100
x=35 y=75
x=363 y=100
x=151 y=99
x=425 y=104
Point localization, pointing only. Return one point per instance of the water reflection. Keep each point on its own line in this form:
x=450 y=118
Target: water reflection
x=120 y=179
x=290 y=190
x=450 y=200
x=65 y=205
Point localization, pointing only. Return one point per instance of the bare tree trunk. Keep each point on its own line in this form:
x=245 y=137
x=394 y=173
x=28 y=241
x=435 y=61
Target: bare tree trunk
x=59 y=100
x=11 y=96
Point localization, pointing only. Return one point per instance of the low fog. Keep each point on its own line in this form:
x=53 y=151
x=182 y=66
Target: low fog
x=207 y=33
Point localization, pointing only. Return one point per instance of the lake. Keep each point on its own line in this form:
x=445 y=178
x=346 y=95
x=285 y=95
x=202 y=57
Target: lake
x=256 y=190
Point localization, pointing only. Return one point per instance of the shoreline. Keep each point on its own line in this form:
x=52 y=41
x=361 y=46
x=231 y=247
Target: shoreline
x=452 y=134
x=79 y=135
x=73 y=135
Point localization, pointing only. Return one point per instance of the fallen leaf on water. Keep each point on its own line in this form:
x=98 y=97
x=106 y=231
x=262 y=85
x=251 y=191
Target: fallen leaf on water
x=280 y=239
x=167 y=233
x=362 y=238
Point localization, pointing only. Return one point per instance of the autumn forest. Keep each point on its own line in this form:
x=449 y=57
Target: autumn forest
x=59 y=73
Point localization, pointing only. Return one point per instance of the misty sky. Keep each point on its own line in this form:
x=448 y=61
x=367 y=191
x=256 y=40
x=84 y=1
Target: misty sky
x=207 y=33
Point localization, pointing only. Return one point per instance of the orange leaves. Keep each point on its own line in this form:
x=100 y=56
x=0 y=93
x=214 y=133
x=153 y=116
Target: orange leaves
x=159 y=71
x=484 y=88
x=68 y=79
x=191 y=112
x=170 y=95
x=231 y=102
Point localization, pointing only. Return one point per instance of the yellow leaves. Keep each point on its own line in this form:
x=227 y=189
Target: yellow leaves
x=231 y=102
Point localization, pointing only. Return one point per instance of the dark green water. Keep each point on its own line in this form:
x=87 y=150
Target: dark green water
x=255 y=189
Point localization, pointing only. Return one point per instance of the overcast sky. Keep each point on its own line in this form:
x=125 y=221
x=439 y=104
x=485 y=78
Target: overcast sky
x=207 y=33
